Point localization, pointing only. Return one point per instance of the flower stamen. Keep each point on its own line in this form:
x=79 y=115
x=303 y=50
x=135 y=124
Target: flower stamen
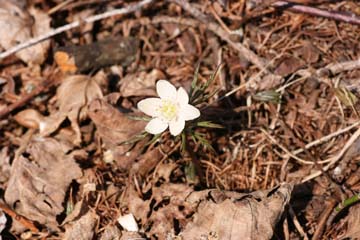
x=168 y=110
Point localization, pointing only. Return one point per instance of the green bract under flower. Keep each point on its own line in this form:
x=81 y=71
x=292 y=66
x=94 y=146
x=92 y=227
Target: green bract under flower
x=171 y=110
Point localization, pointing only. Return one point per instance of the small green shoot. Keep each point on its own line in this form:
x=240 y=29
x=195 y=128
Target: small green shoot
x=267 y=96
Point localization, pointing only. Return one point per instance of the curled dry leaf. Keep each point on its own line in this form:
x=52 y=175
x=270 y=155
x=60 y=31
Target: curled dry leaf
x=18 y=25
x=229 y=215
x=140 y=84
x=29 y=118
x=83 y=228
x=352 y=222
x=166 y=206
x=4 y=165
x=309 y=53
x=111 y=232
x=73 y=96
x=37 y=187
x=288 y=65
x=3 y=221
x=115 y=128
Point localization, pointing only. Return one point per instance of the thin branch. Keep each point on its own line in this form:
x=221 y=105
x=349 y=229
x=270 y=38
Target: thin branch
x=214 y=27
x=335 y=159
x=33 y=41
x=338 y=16
x=310 y=10
x=26 y=98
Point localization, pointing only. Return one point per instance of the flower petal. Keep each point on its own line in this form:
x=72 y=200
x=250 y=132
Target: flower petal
x=182 y=97
x=165 y=89
x=176 y=126
x=149 y=106
x=189 y=112
x=156 y=126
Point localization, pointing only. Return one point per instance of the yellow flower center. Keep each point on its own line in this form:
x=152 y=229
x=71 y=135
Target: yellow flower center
x=168 y=110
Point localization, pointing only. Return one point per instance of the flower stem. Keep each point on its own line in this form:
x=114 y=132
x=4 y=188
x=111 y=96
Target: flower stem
x=188 y=151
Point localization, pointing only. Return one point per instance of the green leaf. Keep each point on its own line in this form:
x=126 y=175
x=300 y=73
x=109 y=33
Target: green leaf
x=346 y=96
x=213 y=76
x=154 y=139
x=194 y=81
x=203 y=141
x=183 y=142
x=267 y=96
x=190 y=173
x=139 y=118
x=208 y=124
x=348 y=202
x=198 y=92
x=136 y=138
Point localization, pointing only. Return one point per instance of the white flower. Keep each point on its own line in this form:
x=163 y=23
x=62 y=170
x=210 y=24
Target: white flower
x=171 y=110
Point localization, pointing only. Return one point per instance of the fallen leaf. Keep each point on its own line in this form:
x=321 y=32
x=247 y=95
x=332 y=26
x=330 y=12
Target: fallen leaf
x=229 y=215
x=288 y=65
x=140 y=84
x=29 y=118
x=268 y=82
x=131 y=236
x=309 y=53
x=18 y=25
x=73 y=96
x=352 y=222
x=187 y=43
x=166 y=205
x=164 y=170
x=114 y=129
x=146 y=162
x=83 y=228
x=38 y=183
x=5 y=167
x=111 y=232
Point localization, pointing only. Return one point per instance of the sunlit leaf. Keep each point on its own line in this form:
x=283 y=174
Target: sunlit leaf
x=267 y=96
x=346 y=96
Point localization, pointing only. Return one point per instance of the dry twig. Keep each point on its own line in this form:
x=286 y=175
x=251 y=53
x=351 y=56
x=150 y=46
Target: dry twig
x=214 y=27
x=310 y=10
x=24 y=221
x=353 y=138
x=348 y=18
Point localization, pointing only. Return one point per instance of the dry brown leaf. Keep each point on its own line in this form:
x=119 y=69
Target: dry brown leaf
x=83 y=228
x=353 y=222
x=115 y=128
x=38 y=183
x=17 y=26
x=309 y=53
x=29 y=118
x=229 y=215
x=130 y=236
x=267 y=82
x=288 y=65
x=167 y=205
x=140 y=83
x=146 y=162
x=73 y=96
x=187 y=43
x=4 y=165
x=164 y=170
x=111 y=232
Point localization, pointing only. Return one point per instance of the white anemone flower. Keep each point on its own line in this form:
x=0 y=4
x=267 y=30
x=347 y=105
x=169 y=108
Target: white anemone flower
x=171 y=110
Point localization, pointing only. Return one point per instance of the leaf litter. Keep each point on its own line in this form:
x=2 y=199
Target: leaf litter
x=74 y=158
